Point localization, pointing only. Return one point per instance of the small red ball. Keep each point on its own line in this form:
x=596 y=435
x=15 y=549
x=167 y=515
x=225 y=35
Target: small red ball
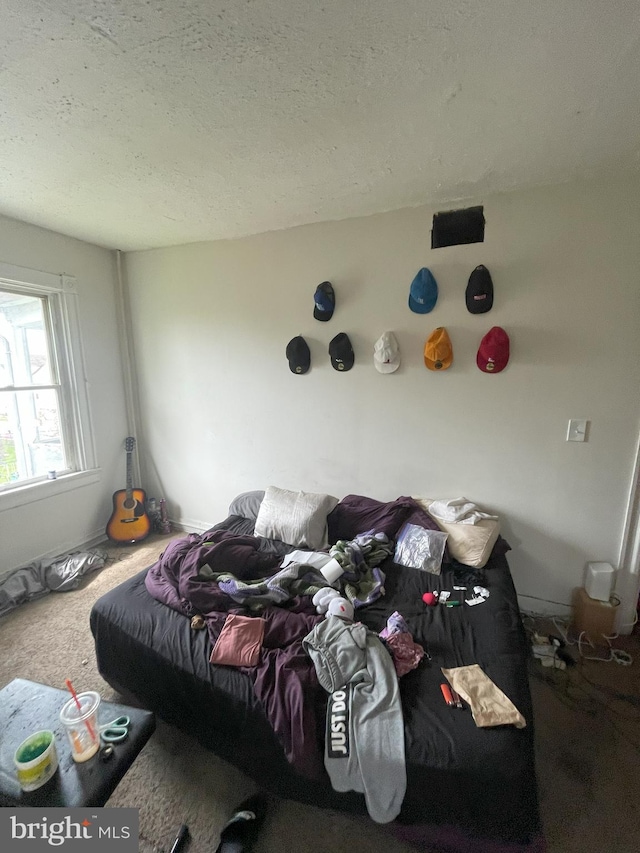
x=429 y=598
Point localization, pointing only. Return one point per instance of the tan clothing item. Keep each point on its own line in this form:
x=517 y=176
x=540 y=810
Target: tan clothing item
x=489 y=705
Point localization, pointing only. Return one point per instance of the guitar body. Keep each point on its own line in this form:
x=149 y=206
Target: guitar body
x=129 y=522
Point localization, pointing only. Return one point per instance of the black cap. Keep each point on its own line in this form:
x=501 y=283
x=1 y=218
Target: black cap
x=341 y=352
x=479 y=293
x=324 y=301
x=299 y=355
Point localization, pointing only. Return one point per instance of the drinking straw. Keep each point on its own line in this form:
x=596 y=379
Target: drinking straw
x=77 y=701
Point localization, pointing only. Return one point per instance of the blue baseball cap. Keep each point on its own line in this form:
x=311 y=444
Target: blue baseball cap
x=423 y=293
x=324 y=301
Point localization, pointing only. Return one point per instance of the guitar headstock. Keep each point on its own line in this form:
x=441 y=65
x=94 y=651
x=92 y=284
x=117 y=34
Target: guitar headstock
x=129 y=444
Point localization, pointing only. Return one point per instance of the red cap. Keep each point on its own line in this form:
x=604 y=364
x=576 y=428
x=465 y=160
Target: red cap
x=493 y=352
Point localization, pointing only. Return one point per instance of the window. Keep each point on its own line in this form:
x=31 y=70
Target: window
x=44 y=417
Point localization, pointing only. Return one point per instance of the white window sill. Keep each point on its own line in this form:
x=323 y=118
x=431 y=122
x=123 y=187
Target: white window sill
x=48 y=488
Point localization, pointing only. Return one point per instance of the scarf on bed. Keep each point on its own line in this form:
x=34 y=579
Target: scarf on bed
x=295 y=579
x=362 y=583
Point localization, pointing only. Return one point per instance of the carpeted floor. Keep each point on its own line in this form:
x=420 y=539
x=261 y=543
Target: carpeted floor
x=589 y=771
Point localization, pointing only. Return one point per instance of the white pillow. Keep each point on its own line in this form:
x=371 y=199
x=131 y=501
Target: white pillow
x=298 y=518
x=469 y=544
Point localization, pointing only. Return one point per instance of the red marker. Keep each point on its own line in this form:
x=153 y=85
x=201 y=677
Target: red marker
x=448 y=698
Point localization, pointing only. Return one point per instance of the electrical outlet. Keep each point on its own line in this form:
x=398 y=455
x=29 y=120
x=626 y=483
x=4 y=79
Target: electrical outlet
x=577 y=430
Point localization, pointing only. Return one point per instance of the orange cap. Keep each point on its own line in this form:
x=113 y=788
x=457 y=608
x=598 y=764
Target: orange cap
x=438 y=352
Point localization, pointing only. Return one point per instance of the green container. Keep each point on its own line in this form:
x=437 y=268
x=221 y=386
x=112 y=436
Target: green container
x=36 y=760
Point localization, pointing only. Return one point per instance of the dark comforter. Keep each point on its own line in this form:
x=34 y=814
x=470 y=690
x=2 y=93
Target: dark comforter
x=480 y=781
x=284 y=680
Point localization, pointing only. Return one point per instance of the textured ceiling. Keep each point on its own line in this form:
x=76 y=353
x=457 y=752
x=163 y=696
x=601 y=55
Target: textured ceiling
x=141 y=123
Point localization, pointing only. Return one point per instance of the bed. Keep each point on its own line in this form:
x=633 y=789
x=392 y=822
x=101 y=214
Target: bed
x=467 y=787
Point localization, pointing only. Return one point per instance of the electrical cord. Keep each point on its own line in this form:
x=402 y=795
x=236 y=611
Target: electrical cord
x=546 y=600
x=588 y=703
x=618 y=655
x=631 y=624
x=590 y=698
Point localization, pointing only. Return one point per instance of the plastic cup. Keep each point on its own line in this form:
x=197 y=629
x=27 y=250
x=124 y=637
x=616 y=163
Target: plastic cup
x=81 y=725
x=36 y=760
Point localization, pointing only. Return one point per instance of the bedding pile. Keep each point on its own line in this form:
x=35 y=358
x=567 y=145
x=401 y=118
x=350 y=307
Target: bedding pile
x=283 y=681
x=317 y=708
x=223 y=577
x=192 y=576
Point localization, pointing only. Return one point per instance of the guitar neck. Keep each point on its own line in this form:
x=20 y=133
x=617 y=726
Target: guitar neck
x=129 y=477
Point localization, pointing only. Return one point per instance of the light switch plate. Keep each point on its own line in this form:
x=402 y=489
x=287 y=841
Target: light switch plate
x=577 y=430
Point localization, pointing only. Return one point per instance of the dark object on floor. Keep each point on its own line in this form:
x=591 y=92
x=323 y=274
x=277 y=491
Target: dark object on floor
x=182 y=839
x=43 y=576
x=454 y=227
x=240 y=832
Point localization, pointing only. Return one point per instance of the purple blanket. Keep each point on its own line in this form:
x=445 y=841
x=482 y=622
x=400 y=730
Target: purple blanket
x=284 y=681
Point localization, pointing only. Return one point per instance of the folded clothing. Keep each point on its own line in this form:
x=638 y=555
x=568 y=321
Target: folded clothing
x=458 y=510
x=469 y=544
x=240 y=641
x=489 y=705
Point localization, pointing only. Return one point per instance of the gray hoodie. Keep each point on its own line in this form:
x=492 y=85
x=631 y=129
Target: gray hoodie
x=364 y=748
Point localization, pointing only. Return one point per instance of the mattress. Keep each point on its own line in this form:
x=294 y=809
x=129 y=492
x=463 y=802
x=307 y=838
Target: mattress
x=463 y=782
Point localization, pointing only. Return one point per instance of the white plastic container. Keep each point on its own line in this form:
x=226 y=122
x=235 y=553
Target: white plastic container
x=598 y=581
x=332 y=571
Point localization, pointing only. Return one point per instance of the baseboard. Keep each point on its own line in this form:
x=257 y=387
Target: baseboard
x=99 y=537
x=190 y=525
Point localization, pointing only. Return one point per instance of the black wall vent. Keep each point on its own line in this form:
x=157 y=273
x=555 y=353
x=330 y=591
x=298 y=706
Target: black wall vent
x=454 y=227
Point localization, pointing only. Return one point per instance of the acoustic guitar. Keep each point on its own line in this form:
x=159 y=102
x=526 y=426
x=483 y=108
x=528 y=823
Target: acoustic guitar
x=129 y=521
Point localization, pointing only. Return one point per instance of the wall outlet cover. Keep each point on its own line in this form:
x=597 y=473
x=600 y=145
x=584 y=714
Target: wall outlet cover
x=577 y=430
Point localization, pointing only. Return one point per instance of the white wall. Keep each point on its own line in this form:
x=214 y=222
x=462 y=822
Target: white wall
x=222 y=413
x=56 y=524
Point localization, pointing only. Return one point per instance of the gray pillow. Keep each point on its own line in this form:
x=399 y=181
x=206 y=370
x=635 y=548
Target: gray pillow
x=247 y=505
x=299 y=518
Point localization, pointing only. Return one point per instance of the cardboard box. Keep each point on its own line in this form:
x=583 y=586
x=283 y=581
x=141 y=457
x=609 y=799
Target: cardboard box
x=595 y=618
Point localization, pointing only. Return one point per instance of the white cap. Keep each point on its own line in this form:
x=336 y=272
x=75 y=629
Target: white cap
x=386 y=353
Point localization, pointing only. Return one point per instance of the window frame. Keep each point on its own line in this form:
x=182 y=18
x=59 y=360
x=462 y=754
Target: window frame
x=65 y=341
